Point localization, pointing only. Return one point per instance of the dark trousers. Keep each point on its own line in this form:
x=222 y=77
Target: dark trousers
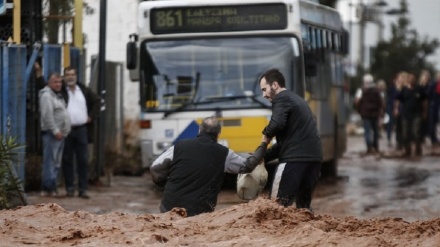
x=433 y=118
x=411 y=131
x=399 y=130
x=76 y=147
x=295 y=181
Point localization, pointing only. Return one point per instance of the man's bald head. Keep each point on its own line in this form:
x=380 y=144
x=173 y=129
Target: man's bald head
x=211 y=125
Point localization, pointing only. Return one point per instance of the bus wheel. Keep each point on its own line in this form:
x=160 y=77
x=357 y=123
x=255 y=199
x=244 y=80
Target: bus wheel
x=329 y=169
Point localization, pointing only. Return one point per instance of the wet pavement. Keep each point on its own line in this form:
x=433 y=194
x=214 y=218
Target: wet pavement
x=386 y=185
x=367 y=186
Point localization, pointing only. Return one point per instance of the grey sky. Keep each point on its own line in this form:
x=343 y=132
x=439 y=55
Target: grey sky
x=424 y=15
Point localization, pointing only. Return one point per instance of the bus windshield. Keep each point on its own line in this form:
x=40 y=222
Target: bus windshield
x=202 y=74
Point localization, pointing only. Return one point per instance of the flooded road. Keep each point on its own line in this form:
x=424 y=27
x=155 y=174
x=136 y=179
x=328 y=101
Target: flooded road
x=387 y=186
x=366 y=187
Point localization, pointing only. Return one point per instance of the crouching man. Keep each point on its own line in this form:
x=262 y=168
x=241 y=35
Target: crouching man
x=193 y=169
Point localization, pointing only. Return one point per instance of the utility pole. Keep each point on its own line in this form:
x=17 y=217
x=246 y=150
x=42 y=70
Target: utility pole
x=369 y=13
x=361 y=13
x=101 y=88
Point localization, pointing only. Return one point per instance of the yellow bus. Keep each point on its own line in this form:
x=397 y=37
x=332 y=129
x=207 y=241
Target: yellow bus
x=199 y=58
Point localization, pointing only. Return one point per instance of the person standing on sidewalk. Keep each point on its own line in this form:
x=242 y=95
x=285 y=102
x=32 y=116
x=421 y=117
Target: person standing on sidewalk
x=55 y=126
x=83 y=108
x=298 y=147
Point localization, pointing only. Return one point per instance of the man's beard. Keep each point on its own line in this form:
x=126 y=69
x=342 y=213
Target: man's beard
x=272 y=93
x=70 y=83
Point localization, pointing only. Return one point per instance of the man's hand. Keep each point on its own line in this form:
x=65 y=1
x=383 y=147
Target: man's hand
x=266 y=139
x=38 y=71
x=59 y=136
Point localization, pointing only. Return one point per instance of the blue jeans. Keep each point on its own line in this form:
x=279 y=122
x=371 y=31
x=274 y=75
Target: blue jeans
x=76 y=147
x=371 y=134
x=52 y=155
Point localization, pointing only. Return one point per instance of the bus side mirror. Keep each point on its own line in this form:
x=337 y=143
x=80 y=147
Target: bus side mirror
x=131 y=58
x=131 y=55
x=345 y=44
x=310 y=64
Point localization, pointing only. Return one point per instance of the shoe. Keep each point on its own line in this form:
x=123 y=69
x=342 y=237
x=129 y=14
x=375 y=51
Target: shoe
x=70 y=194
x=83 y=195
x=48 y=193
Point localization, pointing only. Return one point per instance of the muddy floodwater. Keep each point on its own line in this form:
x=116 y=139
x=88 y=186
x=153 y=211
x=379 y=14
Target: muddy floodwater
x=367 y=186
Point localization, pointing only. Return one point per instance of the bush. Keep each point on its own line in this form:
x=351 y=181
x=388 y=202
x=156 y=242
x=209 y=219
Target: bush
x=10 y=184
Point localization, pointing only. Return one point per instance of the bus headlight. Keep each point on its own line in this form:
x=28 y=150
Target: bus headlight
x=163 y=145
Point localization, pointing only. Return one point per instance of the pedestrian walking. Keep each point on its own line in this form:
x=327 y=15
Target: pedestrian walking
x=413 y=99
x=434 y=110
x=401 y=82
x=298 y=144
x=425 y=83
x=371 y=107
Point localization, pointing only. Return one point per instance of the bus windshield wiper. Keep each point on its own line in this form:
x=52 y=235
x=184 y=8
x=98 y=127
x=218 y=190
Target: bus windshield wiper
x=185 y=105
x=235 y=97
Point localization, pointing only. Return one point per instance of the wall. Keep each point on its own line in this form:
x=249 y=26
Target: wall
x=121 y=21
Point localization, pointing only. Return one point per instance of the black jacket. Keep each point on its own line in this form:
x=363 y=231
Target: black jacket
x=371 y=104
x=92 y=103
x=193 y=171
x=295 y=129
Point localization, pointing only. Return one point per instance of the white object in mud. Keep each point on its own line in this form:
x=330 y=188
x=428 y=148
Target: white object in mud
x=250 y=185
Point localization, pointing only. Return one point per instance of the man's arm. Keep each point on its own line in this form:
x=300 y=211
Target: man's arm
x=161 y=166
x=237 y=164
x=93 y=103
x=46 y=111
x=280 y=112
x=272 y=153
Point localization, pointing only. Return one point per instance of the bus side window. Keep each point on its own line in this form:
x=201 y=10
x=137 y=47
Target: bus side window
x=336 y=43
x=312 y=39
x=305 y=37
x=329 y=41
x=320 y=41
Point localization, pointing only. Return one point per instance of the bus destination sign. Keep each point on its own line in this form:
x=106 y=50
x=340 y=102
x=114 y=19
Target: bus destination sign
x=219 y=18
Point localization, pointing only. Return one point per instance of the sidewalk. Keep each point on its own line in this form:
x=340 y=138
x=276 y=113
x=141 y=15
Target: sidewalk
x=126 y=194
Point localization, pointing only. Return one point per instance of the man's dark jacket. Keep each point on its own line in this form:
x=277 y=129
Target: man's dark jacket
x=196 y=175
x=295 y=128
x=92 y=103
x=371 y=104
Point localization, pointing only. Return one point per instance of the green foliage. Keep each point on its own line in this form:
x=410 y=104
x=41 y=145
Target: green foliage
x=9 y=184
x=60 y=12
x=405 y=51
